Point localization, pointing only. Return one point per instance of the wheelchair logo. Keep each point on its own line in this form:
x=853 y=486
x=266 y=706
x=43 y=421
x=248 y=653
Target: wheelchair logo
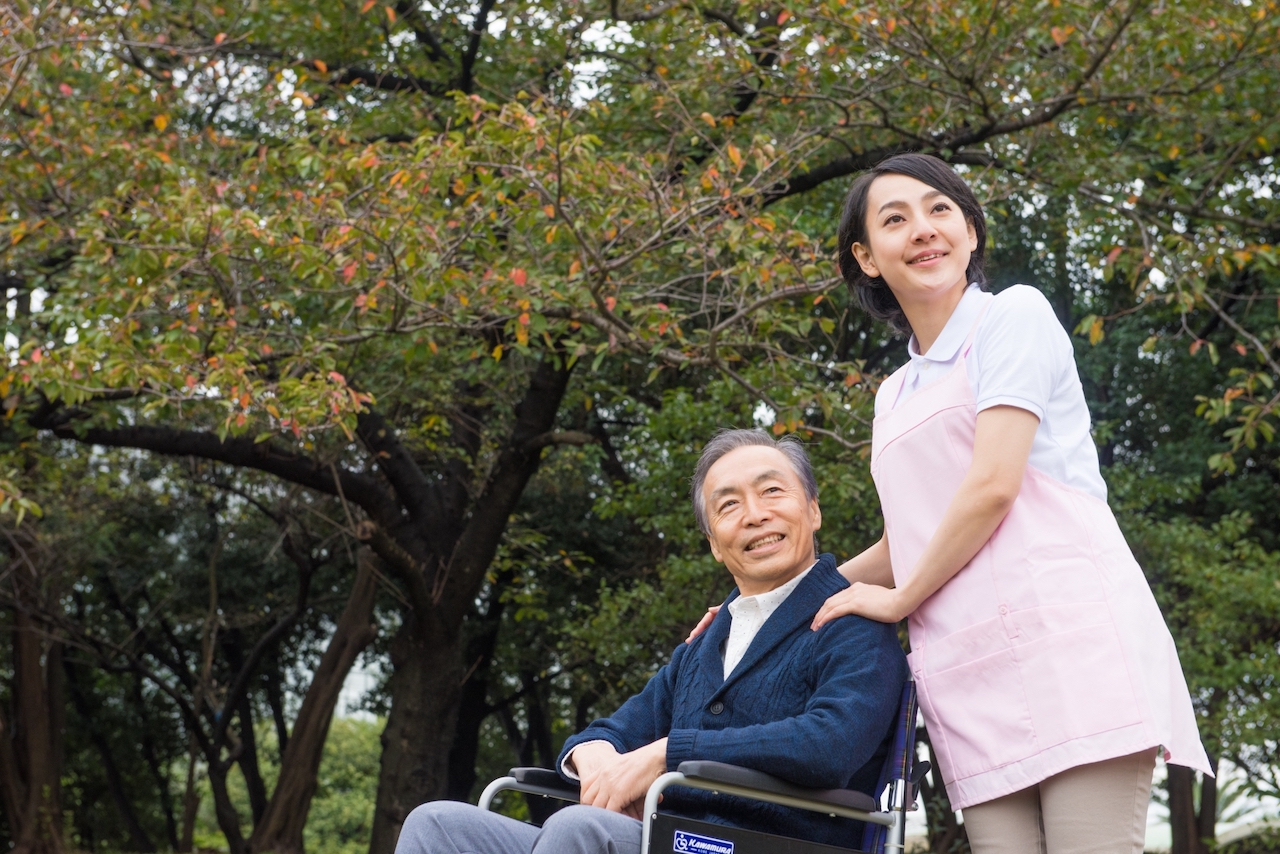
x=692 y=843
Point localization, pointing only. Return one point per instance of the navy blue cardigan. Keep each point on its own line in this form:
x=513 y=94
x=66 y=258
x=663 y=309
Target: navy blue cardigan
x=816 y=708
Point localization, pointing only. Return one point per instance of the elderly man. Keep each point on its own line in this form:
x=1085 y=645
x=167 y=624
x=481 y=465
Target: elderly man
x=758 y=688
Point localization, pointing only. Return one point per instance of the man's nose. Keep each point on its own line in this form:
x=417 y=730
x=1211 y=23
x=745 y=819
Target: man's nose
x=757 y=511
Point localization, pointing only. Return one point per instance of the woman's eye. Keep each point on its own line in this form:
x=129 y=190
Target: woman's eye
x=941 y=206
x=894 y=218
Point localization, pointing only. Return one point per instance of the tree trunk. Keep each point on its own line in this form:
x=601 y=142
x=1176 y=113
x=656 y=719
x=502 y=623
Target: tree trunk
x=425 y=686
x=1207 y=820
x=1182 y=812
x=285 y=817
x=30 y=758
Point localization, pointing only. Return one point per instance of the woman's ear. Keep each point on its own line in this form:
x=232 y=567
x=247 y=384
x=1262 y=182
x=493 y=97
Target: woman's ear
x=862 y=255
x=973 y=235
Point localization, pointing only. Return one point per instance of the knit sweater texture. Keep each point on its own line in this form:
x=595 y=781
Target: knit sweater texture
x=814 y=708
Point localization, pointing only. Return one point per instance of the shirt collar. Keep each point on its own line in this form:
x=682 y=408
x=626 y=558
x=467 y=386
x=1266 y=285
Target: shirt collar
x=768 y=602
x=957 y=329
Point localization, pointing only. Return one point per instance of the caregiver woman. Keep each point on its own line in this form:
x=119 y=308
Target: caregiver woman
x=1046 y=674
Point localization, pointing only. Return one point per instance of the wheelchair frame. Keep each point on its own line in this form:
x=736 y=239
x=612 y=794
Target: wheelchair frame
x=901 y=775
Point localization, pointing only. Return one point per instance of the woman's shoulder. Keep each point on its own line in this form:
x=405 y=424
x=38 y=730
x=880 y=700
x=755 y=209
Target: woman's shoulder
x=1021 y=311
x=1020 y=299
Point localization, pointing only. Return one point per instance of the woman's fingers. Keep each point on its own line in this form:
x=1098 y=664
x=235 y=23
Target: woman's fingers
x=837 y=605
x=703 y=623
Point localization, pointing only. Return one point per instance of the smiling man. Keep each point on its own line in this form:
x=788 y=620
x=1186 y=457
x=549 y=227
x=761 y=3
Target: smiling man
x=758 y=688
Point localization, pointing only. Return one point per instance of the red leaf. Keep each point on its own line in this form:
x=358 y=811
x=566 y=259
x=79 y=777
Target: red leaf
x=64 y=89
x=219 y=38
x=1114 y=254
x=391 y=13
x=191 y=381
x=349 y=272
x=610 y=302
x=524 y=319
x=783 y=17
x=1195 y=346
x=37 y=356
x=519 y=277
x=337 y=378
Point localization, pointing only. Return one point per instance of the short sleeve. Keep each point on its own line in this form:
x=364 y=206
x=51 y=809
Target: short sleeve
x=1021 y=351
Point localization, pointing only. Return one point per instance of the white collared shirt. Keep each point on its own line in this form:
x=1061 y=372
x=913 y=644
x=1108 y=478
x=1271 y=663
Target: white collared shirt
x=1021 y=356
x=749 y=615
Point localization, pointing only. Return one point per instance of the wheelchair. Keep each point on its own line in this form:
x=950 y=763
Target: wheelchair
x=884 y=828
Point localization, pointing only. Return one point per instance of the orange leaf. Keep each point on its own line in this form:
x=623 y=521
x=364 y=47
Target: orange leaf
x=391 y=13
x=519 y=277
x=368 y=4
x=337 y=378
x=891 y=25
x=610 y=302
x=37 y=355
x=219 y=38
x=1195 y=346
x=783 y=17
x=191 y=381
x=524 y=319
x=1114 y=254
x=349 y=272
x=575 y=268
x=321 y=66
x=550 y=211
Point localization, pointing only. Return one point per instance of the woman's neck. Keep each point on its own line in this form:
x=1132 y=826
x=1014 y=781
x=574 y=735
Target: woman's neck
x=929 y=317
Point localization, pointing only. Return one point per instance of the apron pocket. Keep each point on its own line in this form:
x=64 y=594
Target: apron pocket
x=1077 y=683
x=977 y=714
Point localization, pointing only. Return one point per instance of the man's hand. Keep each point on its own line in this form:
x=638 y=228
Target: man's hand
x=615 y=781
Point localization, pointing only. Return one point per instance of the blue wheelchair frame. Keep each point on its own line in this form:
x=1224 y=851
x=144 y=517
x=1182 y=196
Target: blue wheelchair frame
x=885 y=828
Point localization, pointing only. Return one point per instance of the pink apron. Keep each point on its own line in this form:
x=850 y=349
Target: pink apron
x=1046 y=651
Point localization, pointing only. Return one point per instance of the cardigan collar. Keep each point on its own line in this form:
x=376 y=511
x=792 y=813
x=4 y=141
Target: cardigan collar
x=797 y=610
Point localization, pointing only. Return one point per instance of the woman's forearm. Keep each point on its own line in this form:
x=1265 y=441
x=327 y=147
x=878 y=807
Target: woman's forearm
x=871 y=566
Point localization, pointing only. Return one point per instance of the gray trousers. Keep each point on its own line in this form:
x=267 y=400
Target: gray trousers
x=450 y=827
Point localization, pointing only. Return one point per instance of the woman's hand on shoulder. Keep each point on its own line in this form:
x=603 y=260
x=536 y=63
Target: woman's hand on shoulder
x=882 y=604
x=703 y=623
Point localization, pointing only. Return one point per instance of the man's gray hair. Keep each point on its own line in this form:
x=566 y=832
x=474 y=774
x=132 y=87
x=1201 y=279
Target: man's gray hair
x=730 y=440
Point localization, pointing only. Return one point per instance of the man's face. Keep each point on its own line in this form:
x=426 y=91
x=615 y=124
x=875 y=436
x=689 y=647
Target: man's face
x=761 y=523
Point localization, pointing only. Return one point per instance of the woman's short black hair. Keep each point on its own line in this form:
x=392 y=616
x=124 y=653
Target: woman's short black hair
x=874 y=294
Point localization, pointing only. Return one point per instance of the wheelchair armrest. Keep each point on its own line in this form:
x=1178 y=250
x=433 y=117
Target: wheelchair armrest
x=545 y=778
x=720 y=772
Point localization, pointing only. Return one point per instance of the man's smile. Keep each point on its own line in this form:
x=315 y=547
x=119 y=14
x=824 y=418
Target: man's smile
x=765 y=541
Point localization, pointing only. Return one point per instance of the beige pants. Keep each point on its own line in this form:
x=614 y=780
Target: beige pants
x=1092 y=809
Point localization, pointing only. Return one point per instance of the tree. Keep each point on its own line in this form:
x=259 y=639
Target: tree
x=379 y=252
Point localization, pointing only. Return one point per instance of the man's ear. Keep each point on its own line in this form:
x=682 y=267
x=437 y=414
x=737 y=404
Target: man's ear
x=862 y=254
x=816 y=511
x=715 y=552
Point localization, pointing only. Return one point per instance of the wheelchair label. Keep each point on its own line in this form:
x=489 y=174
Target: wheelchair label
x=695 y=844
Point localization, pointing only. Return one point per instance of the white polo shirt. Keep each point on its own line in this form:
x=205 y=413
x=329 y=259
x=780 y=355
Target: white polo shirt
x=1021 y=356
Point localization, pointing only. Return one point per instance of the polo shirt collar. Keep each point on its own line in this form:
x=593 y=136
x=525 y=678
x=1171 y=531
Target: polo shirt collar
x=956 y=330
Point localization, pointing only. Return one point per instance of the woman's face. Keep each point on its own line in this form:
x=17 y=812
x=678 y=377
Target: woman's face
x=918 y=240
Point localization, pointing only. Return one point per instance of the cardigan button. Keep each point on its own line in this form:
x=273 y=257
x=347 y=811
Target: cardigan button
x=716 y=708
